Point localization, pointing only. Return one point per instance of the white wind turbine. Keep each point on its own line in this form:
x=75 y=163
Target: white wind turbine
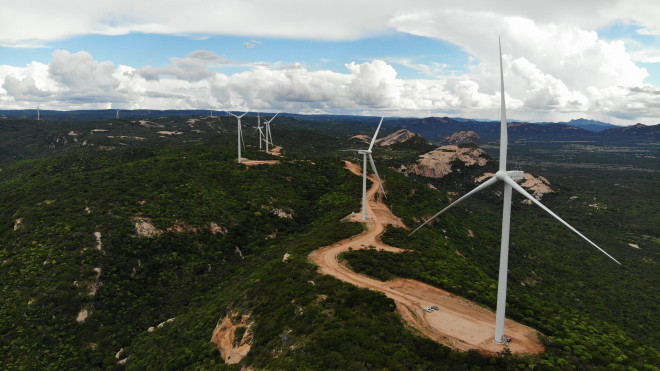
x=507 y=177
x=269 y=136
x=240 y=133
x=367 y=154
x=38 y=105
x=261 y=131
x=117 y=115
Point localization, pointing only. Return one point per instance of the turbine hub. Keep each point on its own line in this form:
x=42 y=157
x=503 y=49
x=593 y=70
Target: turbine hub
x=501 y=175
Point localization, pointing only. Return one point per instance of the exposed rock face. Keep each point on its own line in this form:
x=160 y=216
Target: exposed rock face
x=398 y=136
x=538 y=186
x=144 y=227
x=464 y=136
x=232 y=349
x=437 y=163
x=362 y=138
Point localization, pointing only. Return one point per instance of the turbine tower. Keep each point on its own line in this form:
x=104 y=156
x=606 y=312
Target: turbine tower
x=240 y=134
x=367 y=154
x=38 y=105
x=508 y=178
x=117 y=115
x=269 y=136
x=261 y=131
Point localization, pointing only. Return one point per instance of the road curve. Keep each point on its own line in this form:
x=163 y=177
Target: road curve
x=459 y=323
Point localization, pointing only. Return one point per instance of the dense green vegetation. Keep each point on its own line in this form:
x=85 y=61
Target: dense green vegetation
x=56 y=194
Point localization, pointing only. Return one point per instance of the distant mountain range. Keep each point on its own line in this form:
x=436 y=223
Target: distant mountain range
x=432 y=128
x=436 y=129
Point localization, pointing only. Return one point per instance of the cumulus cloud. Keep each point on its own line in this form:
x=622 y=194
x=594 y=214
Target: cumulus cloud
x=83 y=79
x=191 y=82
x=193 y=67
x=76 y=80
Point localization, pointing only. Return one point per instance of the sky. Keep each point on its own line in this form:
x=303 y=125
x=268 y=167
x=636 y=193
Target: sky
x=562 y=60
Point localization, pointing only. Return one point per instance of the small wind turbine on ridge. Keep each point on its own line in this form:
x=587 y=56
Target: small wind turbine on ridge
x=366 y=153
x=508 y=178
x=240 y=134
x=261 y=131
x=269 y=136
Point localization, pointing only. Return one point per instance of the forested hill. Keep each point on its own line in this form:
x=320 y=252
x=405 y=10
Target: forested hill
x=125 y=242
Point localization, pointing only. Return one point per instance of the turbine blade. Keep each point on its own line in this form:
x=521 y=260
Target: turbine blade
x=246 y=112
x=522 y=191
x=373 y=140
x=231 y=114
x=273 y=118
x=482 y=186
x=503 y=129
x=373 y=166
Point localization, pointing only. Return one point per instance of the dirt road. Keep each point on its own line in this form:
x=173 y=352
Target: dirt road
x=459 y=323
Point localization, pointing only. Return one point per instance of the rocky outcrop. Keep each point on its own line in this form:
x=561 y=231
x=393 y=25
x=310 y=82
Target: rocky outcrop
x=538 y=186
x=362 y=138
x=438 y=163
x=463 y=136
x=233 y=340
x=399 y=136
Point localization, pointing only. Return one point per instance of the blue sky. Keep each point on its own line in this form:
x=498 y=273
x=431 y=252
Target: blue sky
x=592 y=59
x=140 y=50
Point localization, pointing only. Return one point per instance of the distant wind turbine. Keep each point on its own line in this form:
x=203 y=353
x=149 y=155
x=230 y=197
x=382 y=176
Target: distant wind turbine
x=38 y=105
x=508 y=178
x=117 y=116
x=366 y=153
x=269 y=136
x=240 y=134
x=261 y=131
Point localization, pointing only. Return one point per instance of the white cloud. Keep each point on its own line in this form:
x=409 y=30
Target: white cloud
x=38 y=21
x=251 y=44
x=555 y=63
x=78 y=81
x=194 y=67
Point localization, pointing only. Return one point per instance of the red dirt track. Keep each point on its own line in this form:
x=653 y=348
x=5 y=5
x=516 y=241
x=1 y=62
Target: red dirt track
x=459 y=323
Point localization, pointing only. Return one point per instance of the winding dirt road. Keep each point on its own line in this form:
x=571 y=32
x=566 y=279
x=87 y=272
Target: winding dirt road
x=459 y=323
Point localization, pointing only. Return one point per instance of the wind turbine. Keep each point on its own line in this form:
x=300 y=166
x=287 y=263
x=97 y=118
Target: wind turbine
x=269 y=136
x=508 y=178
x=367 y=153
x=38 y=105
x=261 y=131
x=240 y=134
x=117 y=116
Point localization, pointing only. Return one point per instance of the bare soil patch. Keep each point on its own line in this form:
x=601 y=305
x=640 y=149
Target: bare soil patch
x=458 y=323
x=247 y=162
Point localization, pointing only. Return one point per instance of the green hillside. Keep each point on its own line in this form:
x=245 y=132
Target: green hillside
x=188 y=235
